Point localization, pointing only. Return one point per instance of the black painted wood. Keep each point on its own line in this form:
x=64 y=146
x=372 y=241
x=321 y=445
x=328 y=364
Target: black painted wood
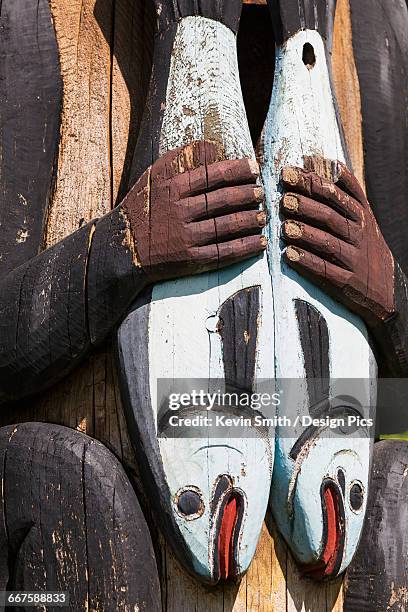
x=256 y=60
x=72 y=522
x=43 y=324
x=226 y=11
x=378 y=577
x=314 y=338
x=238 y=327
x=58 y=305
x=290 y=16
x=113 y=275
x=391 y=336
x=30 y=104
x=148 y=143
x=380 y=41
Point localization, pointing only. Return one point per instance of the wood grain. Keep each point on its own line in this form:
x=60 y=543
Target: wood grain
x=72 y=521
x=83 y=185
x=378 y=577
x=89 y=399
x=101 y=107
x=197 y=97
x=380 y=46
x=30 y=93
x=347 y=87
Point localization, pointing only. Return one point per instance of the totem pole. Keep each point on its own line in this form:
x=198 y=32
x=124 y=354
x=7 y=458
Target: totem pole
x=200 y=267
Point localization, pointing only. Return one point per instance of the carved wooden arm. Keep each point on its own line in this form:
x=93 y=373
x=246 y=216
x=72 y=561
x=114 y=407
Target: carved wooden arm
x=58 y=304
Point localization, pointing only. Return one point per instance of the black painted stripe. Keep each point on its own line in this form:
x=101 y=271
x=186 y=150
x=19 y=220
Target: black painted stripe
x=239 y=319
x=30 y=103
x=314 y=338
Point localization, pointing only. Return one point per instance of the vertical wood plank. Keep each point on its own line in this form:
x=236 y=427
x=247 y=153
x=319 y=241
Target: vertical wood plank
x=259 y=577
x=347 y=86
x=83 y=183
x=132 y=47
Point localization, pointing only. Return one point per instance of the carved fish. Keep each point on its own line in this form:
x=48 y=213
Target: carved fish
x=320 y=480
x=210 y=492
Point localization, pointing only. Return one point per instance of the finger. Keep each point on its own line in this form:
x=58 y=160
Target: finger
x=348 y=182
x=227 y=253
x=317 y=188
x=322 y=273
x=218 y=175
x=228 y=227
x=319 y=215
x=319 y=242
x=223 y=201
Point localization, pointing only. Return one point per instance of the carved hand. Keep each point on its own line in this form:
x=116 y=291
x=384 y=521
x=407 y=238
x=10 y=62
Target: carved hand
x=334 y=240
x=189 y=213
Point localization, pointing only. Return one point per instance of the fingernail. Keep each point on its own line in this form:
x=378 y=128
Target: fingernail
x=292 y=254
x=254 y=167
x=261 y=216
x=290 y=175
x=264 y=241
x=259 y=194
x=290 y=202
x=293 y=230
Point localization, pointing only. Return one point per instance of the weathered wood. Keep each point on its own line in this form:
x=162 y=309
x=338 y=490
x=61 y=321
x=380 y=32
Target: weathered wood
x=302 y=121
x=380 y=46
x=378 y=576
x=240 y=312
x=347 y=87
x=30 y=98
x=314 y=338
x=132 y=50
x=194 y=97
x=85 y=59
x=290 y=16
x=89 y=399
x=72 y=521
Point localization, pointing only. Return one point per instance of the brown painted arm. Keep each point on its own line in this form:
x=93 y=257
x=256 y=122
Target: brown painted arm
x=58 y=305
x=334 y=240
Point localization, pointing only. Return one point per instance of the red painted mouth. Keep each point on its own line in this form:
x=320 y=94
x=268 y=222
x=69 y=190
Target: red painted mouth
x=228 y=533
x=333 y=515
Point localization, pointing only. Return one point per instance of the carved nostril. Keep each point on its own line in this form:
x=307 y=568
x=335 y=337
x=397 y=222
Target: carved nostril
x=190 y=503
x=341 y=479
x=308 y=56
x=356 y=496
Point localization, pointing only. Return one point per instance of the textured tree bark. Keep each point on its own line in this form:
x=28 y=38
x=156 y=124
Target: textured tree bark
x=105 y=49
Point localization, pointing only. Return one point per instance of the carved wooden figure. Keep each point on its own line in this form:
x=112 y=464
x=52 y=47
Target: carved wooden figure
x=94 y=246
x=214 y=329
x=317 y=341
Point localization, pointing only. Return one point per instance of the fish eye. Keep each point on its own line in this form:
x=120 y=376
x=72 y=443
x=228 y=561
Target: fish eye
x=189 y=503
x=356 y=496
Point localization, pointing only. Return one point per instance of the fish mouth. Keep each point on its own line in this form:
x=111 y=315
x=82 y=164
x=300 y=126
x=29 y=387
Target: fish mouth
x=228 y=505
x=331 y=557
